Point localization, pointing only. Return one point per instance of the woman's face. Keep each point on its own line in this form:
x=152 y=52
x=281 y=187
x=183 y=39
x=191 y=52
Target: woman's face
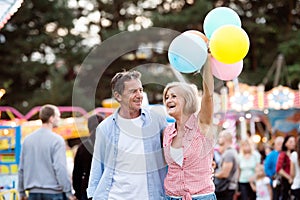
x=246 y=147
x=291 y=143
x=174 y=102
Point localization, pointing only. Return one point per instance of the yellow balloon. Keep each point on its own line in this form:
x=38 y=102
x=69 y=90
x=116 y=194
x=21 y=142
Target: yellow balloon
x=229 y=44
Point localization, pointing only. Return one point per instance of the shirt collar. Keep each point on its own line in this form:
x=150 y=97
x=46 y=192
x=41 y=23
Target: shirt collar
x=143 y=114
x=190 y=123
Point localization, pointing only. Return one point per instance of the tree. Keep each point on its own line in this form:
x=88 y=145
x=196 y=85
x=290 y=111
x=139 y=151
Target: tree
x=41 y=51
x=116 y=17
x=39 y=55
x=272 y=27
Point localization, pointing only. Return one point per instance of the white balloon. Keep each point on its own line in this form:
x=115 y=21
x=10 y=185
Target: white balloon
x=187 y=53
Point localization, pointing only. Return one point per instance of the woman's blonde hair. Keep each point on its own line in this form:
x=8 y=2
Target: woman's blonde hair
x=189 y=94
x=246 y=141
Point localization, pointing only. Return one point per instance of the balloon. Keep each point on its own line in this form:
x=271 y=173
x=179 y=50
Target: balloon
x=198 y=33
x=229 y=44
x=187 y=53
x=225 y=72
x=197 y=37
x=218 y=17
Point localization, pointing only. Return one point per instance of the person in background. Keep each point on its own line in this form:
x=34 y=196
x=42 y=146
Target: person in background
x=267 y=149
x=128 y=160
x=283 y=166
x=189 y=142
x=42 y=170
x=261 y=184
x=216 y=159
x=247 y=164
x=83 y=159
x=295 y=171
x=270 y=162
x=228 y=165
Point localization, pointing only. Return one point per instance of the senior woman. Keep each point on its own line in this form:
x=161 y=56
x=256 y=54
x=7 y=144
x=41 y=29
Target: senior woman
x=189 y=141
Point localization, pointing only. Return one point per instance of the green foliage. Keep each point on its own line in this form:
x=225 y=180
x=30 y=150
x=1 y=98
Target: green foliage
x=37 y=39
x=186 y=18
x=272 y=27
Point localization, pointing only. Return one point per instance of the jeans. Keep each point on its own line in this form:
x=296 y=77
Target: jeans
x=204 y=197
x=44 y=196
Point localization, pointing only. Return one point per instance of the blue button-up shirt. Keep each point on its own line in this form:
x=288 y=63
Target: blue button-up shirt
x=106 y=150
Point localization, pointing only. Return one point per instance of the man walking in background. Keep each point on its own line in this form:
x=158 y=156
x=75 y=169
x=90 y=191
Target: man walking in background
x=42 y=170
x=227 y=174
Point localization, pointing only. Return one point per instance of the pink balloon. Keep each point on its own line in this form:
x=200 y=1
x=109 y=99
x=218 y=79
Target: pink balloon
x=225 y=72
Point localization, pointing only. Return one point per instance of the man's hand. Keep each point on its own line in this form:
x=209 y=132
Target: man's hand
x=24 y=198
x=72 y=197
x=213 y=167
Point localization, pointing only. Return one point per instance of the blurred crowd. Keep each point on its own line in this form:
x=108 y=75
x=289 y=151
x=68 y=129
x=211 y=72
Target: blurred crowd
x=243 y=172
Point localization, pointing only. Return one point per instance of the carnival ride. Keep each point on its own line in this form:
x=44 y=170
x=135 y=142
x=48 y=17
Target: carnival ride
x=14 y=130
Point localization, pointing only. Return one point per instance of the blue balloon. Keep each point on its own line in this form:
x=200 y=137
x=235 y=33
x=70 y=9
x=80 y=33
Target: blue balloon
x=187 y=53
x=181 y=64
x=218 y=17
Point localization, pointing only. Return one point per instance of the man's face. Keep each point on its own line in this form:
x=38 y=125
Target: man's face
x=132 y=96
x=222 y=145
x=56 y=118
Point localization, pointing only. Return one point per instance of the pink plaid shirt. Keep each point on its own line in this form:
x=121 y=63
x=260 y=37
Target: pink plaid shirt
x=195 y=175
